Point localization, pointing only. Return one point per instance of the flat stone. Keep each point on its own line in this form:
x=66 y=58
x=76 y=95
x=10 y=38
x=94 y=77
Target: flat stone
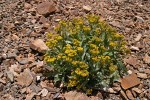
x=129 y=95
x=147 y=59
x=39 y=45
x=45 y=8
x=137 y=90
x=30 y=96
x=25 y=78
x=123 y=95
x=138 y=37
x=129 y=81
x=10 y=76
x=134 y=48
x=142 y=75
x=43 y=93
x=87 y=7
x=131 y=60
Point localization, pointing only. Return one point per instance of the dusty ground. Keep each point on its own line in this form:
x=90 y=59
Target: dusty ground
x=21 y=67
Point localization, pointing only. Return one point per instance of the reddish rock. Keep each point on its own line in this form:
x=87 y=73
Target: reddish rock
x=46 y=8
x=131 y=61
x=130 y=81
x=38 y=45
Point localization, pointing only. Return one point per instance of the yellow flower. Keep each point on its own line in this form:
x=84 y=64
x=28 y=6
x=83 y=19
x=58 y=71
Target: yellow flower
x=89 y=91
x=95 y=59
x=49 y=59
x=59 y=56
x=72 y=83
x=112 y=44
x=68 y=59
x=86 y=28
x=71 y=53
x=112 y=68
x=74 y=63
x=80 y=49
x=118 y=36
x=83 y=65
x=76 y=42
x=78 y=71
x=58 y=38
x=94 y=52
x=84 y=73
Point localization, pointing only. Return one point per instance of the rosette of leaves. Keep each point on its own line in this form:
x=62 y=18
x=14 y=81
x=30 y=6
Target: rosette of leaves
x=85 y=53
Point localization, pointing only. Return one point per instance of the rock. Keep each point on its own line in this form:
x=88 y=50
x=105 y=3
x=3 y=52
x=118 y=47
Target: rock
x=38 y=78
x=147 y=71
x=46 y=8
x=2 y=81
x=15 y=37
x=134 y=48
x=131 y=61
x=43 y=93
x=129 y=72
x=38 y=45
x=25 y=78
x=137 y=90
x=139 y=19
x=147 y=58
x=73 y=95
x=126 y=82
x=116 y=24
x=138 y=37
x=35 y=88
x=15 y=69
x=23 y=61
x=11 y=55
x=30 y=96
x=123 y=95
x=4 y=56
x=27 y=6
x=87 y=7
x=142 y=75
x=94 y=98
x=129 y=95
x=10 y=76
x=111 y=90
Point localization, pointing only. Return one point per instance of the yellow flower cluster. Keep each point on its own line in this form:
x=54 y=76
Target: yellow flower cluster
x=76 y=42
x=92 y=18
x=113 y=68
x=86 y=28
x=81 y=72
x=49 y=59
x=71 y=53
x=72 y=83
x=94 y=49
x=54 y=39
x=118 y=36
x=112 y=44
x=105 y=59
x=83 y=49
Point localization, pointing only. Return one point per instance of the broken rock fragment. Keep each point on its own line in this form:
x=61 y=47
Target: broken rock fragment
x=38 y=45
x=87 y=7
x=25 y=78
x=46 y=8
x=130 y=81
